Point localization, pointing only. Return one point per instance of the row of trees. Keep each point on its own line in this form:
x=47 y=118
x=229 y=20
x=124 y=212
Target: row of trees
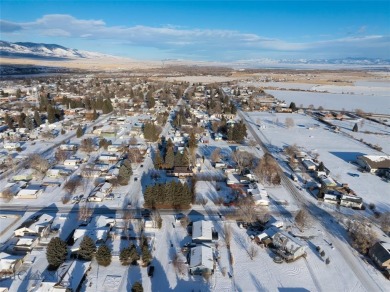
x=174 y=194
x=171 y=159
x=24 y=121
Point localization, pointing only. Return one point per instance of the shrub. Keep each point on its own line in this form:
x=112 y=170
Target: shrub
x=137 y=287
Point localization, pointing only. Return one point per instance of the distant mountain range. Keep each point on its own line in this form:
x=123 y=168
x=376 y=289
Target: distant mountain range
x=44 y=51
x=57 y=52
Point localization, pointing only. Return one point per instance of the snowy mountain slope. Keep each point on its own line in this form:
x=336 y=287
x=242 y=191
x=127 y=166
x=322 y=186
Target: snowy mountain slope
x=45 y=51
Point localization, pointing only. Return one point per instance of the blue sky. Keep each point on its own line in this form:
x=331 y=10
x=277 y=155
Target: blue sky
x=205 y=30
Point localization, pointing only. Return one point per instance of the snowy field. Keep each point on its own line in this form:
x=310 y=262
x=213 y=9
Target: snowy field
x=335 y=149
x=369 y=131
x=7 y=221
x=336 y=101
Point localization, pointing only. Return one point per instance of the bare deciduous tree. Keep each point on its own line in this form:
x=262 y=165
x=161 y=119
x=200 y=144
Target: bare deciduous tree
x=253 y=251
x=227 y=231
x=244 y=159
x=156 y=219
x=133 y=141
x=87 y=145
x=267 y=170
x=246 y=210
x=134 y=154
x=61 y=155
x=7 y=194
x=289 y=123
x=385 y=222
x=363 y=237
x=216 y=155
x=179 y=264
x=72 y=184
x=38 y=163
x=302 y=219
x=85 y=212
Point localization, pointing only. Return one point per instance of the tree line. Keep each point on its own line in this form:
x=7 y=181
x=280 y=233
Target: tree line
x=175 y=194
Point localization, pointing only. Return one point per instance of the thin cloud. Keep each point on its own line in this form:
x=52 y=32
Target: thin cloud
x=188 y=41
x=7 y=26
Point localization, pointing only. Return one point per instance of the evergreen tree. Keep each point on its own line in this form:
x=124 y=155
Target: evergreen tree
x=158 y=161
x=29 y=122
x=293 y=107
x=56 y=252
x=9 y=121
x=51 y=114
x=169 y=158
x=107 y=106
x=95 y=115
x=99 y=103
x=137 y=287
x=355 y=128
x=87 y=248
x=192 y=141
x=169 y=143
x=125 y=172
x=321 y=166
x=146 y=255
x=37 y=118
x=79 y=132
x=178 y=161
x=103 y=255
x=129 y=255
x=230 y=133
x=21 y=119
x=150 y=99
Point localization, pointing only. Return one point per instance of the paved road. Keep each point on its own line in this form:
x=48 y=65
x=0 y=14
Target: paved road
x=334 y=232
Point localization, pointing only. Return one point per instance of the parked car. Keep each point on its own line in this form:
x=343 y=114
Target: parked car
x=150 y=271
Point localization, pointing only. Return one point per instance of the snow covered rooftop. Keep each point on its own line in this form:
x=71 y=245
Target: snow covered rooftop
x=202 y=256
x=202 y=230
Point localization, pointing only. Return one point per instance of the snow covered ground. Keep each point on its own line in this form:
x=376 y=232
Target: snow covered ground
x=335 y=149
x=336 y=101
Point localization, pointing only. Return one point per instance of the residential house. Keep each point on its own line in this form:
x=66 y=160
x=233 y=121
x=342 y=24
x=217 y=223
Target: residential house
x=74 y=161
x=109 y=158
x=96 y=196
x=180 y=171
x=309 y=164
x=31 y=192
x=69 y=277
x=374 y=163
x=98 y=229
x=201 y=260
x=202 y=231
x=351 y=201
x=40 y=227
x=25 y=244
x=11 y=145
x=68 y=147
x=332 y=198
x=380 y=254
x=288 y=247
